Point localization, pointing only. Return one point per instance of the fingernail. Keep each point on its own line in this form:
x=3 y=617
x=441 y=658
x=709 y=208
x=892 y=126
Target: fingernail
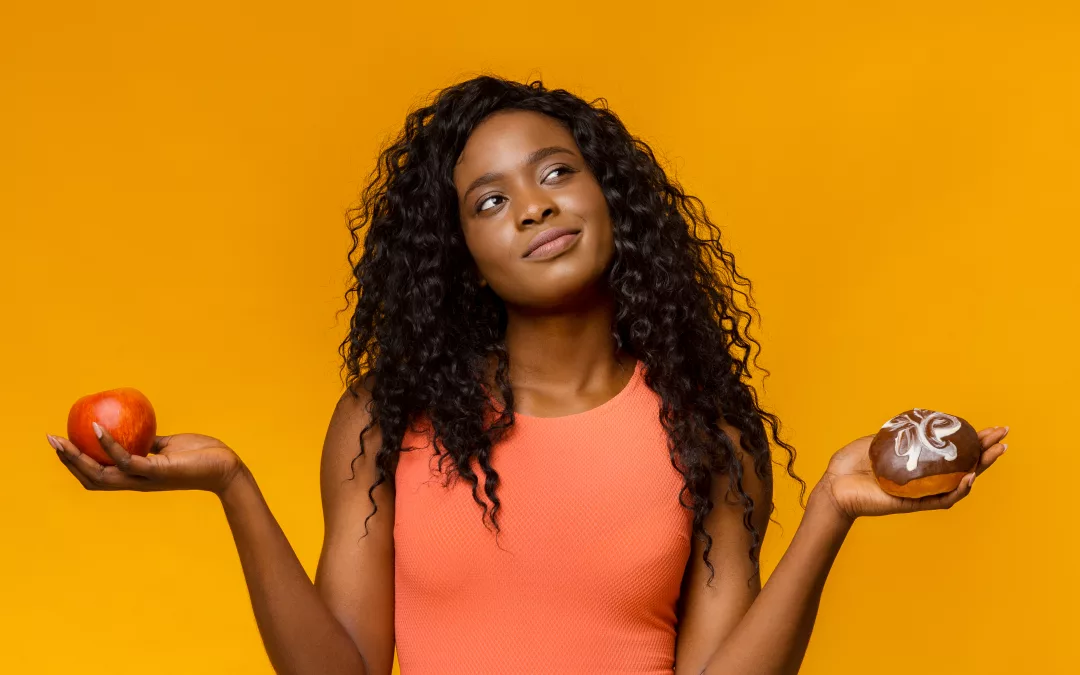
x=97 y=429
x=1006 y=429
x=1004 y=447
x=53 y=442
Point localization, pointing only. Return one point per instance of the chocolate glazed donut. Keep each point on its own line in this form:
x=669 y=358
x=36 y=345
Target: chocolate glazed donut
x=923 y=452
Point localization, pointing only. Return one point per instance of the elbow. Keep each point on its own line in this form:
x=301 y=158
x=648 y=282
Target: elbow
x=719 y=667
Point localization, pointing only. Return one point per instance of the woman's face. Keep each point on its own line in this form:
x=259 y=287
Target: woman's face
x=521 y=175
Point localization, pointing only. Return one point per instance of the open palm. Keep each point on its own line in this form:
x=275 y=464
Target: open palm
x=853 y=488
x=177 y=462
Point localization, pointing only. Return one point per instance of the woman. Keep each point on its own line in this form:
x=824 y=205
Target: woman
x=547 y=458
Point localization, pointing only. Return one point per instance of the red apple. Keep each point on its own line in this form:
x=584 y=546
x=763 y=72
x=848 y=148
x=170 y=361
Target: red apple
x=125 y=413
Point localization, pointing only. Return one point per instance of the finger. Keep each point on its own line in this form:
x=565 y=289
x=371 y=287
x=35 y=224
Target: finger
x=113 y=449
x=987 y=459
x=125 y=461
x=83 y=480
x=159 y=443
x=948 y=499
x=89 y=481
x=101 y=477
x=991 y=435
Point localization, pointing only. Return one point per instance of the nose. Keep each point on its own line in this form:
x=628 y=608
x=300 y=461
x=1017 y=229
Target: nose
x=538 y=208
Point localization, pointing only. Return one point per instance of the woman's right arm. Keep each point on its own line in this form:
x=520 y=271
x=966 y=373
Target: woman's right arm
x=342 y=623
x=355 y=576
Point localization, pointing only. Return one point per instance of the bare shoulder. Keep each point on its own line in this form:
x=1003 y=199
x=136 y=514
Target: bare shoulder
x=355 y=576
x=757 y=488
x=710 y=612
x=353 y=402
x=341 y=450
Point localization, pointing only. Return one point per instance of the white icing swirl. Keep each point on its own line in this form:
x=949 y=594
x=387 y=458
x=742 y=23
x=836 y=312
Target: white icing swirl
x=923 y=431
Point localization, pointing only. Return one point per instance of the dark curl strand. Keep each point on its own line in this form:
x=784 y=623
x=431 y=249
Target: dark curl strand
x=424 y=331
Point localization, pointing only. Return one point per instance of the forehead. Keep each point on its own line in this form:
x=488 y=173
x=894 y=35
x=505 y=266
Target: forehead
x=501 y=141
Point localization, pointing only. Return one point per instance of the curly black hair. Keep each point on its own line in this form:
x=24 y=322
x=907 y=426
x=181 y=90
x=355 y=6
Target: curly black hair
x=424 y=331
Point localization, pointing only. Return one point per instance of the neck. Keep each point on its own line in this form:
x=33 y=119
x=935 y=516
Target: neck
x=571 y=349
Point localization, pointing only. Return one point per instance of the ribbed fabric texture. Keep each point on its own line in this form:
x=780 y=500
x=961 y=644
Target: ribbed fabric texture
x=587 y=568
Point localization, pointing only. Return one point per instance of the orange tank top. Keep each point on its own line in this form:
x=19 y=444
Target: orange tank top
x=589 y=561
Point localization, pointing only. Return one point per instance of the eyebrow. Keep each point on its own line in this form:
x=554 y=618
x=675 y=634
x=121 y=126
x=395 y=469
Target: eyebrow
x=532 y=158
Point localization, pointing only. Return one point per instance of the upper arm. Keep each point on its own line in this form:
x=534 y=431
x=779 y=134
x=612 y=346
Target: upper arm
x=710 y=613
x=355 y=576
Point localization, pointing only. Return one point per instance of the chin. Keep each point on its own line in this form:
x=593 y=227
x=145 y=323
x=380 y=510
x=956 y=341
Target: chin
x=563 y=290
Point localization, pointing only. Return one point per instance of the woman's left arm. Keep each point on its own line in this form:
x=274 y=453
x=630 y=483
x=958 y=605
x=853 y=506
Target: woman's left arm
x=736 y=629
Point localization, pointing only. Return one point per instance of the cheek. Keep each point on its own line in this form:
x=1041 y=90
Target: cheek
x=604 y=228
x=489 y=247
x=605 y=251
x=597 y=210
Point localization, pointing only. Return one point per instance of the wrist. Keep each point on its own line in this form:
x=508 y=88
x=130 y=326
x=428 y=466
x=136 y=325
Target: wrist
x=239 y=482
x=823 y=503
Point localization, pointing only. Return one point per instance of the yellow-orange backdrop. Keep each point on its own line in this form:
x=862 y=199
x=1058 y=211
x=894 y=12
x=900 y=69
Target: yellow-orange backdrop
x=900 y=184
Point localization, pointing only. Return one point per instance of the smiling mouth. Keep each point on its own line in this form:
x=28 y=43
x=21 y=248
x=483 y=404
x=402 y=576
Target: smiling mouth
x=554 y=246
x=549 y=235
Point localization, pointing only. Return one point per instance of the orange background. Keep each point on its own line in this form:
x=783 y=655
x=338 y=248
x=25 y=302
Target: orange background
x=900 y=184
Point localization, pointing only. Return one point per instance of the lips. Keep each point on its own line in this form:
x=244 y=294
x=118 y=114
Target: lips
x=547 y=236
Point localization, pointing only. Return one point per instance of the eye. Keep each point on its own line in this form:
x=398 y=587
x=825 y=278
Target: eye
x=485 y=201
x=563 y=169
